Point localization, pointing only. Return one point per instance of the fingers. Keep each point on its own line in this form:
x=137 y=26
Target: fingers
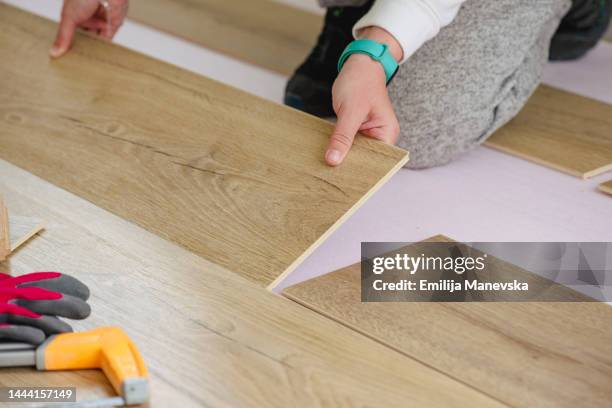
x=115 y=16
x=63 y=39
x=21 y=334
x=386 y=130
x=68 y=306
x=8 y=309
x=48 y=324
x=349 y=122
x=57 y=282
x=95 y=25
x=103 y=19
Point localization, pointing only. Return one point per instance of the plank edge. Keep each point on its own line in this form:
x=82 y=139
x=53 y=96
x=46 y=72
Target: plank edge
x=323 y=237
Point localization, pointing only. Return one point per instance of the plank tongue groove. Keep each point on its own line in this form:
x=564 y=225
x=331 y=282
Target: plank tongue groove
x=229 y=176
x=548 y=354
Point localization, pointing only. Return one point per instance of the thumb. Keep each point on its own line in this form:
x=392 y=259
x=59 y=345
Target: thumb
x=63 y=40
x=349 y=121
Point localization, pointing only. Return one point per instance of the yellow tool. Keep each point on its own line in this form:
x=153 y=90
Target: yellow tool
x=106 y=348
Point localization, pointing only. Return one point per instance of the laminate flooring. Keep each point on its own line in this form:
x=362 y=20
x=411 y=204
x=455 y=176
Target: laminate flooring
x=549 y=354
x=209 y=336
x=233 y=178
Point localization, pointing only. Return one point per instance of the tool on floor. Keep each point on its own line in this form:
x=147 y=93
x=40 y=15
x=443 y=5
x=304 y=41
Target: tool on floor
x=107 y=348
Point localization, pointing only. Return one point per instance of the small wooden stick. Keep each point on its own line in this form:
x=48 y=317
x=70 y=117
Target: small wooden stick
x=5 y=243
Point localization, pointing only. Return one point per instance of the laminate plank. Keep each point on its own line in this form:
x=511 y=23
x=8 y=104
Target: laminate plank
x=547 y=354
x=263 y=32
x=210 y=337
x=561 y=130
x=236 y=179
x=606 y=187
x=558 y=129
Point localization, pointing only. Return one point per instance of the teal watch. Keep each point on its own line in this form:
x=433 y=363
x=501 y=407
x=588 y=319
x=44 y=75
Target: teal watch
x=375 y=50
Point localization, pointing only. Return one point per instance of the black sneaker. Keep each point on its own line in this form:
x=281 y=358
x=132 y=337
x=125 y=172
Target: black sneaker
x=581 y=29
x=309 y=89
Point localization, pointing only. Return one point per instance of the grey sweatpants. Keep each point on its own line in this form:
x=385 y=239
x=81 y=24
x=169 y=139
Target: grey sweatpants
x=473 y=77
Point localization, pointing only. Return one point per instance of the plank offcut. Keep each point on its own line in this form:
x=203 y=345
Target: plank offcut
x=561 y=130
x=234 y=178
x=262 y=32
x=549 y=354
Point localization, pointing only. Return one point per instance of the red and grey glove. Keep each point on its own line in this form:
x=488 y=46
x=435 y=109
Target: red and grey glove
x=31 y=304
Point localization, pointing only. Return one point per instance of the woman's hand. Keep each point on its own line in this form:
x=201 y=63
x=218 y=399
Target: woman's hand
x=361 y=101
x=101 y=17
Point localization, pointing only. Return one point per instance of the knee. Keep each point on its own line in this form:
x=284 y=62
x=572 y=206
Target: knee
x=434 y=141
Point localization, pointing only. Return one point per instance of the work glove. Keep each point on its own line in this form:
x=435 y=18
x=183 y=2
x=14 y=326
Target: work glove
x=31 y=304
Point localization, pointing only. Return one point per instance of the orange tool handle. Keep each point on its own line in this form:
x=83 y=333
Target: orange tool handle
x=106 y=348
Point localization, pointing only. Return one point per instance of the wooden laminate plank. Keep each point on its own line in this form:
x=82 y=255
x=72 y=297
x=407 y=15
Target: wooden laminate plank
x=236 y=179
x=558 y=129
x=263 y=32
x=606 y=187
x=561 y=130
x=548 y=354
x=5 y=242
x=210 y=337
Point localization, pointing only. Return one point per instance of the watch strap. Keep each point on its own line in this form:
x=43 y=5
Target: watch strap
x=375 y=50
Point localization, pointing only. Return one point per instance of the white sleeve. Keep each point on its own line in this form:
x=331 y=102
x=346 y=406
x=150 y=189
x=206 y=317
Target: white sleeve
x=411 y=22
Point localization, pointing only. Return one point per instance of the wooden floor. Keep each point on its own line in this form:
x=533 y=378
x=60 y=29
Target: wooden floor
x=557 y=129
x=520 y=353
x=210 y=337
x=231 y=177
x=561 y=130
x=262 y=32
x=155 y=161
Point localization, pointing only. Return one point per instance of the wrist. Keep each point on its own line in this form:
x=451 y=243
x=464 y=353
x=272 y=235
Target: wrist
x=365 y=67
x=382 y=36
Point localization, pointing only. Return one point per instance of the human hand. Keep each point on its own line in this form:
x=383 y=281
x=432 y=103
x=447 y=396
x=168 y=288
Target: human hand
x=361 y=100
x=103 y=17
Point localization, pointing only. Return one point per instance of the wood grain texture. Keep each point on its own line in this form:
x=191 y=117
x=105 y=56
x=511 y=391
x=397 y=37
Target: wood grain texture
x=606 y=187
x=231 y=177
x=263 y=32
x=210 y=337
x=524 y=354
x=561 y=130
